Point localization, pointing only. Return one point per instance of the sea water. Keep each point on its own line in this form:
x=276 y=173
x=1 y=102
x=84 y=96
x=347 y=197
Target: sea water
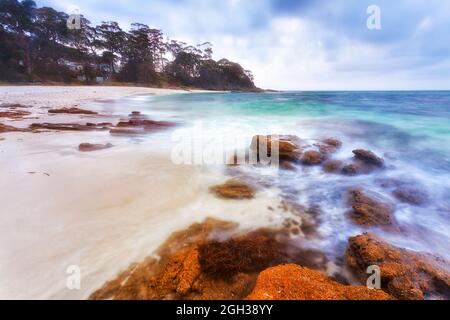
x=102 y=211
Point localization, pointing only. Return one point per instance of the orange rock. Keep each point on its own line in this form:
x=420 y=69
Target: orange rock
x=312 y=157
x=404 y=274
x=176 y=274
x=235 y=189
x=293 y=282
x=368 y=211
x=289 y=147
x=5 y=128
x=14 y=114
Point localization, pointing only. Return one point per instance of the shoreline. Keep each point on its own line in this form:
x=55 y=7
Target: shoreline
x=105 y=210
x=60 y=96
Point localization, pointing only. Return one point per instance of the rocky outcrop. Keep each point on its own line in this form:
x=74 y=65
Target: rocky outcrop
x=235 y=189
x=16 y=114
x=312 y=157
x=138 y=125
x=368 y=211
x=89 y=147
x=404 y=274
x=70 y=126
x=72 y=110
x=206 y=261
x=289 y=147
x=368 y=157
x=328 y=146
x=5 y=128
x=293 y=282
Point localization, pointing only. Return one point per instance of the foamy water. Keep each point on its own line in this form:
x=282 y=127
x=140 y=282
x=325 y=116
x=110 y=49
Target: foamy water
x=102 y=211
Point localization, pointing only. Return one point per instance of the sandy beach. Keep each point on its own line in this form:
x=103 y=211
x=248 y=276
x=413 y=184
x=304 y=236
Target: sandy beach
x=60 y=96
x=100 y=211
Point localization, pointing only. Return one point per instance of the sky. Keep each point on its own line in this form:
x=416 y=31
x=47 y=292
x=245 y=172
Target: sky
x=303 y=44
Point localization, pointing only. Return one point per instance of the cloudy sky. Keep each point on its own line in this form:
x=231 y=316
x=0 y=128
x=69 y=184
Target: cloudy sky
x=303 y=44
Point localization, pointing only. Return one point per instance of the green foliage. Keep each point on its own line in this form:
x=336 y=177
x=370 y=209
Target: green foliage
x=35 y=44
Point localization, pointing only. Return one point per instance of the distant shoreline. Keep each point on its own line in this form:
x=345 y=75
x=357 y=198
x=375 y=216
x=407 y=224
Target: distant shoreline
x=49 y=96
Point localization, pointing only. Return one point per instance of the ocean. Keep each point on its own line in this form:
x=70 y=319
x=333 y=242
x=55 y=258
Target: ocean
x=104 y=210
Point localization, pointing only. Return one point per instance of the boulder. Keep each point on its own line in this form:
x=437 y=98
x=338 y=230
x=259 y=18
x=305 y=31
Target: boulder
x=89 y=147
x=293 y=282
x=405 y=274
x=289 y=147
x=369 y=211
x=368 y=157
x=235 y=189
x=312 y=157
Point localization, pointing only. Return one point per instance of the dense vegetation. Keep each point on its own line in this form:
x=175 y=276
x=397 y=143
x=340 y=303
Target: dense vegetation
x=36 y=45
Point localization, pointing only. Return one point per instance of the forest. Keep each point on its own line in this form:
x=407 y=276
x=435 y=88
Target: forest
x=37 y=46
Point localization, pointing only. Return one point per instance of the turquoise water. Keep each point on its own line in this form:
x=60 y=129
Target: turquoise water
x=411 y=130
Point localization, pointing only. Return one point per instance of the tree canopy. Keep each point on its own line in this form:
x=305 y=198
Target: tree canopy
x=36 y=45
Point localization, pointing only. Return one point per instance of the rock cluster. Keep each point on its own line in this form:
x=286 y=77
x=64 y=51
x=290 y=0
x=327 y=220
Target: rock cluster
x=72 y=110
x=404 y=274
x=368 y=211
x=293 y=282
x=235 y=189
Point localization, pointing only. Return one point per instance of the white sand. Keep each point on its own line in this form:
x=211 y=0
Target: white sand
x=68 y=96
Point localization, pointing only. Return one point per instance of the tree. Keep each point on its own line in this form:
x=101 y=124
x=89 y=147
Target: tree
x=17 y=17
x=111 y=38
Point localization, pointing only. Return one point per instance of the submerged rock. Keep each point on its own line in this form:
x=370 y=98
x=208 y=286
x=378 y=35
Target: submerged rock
x=235 y=189
x=368 y=157
x=89 y=147
x=328 y=146
x=370 y=212
x=404 y=274
x=287 y=165
x=332 y=166
x=410 y=195
x=293 y=282
x=72 y=111
x=357 y=167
